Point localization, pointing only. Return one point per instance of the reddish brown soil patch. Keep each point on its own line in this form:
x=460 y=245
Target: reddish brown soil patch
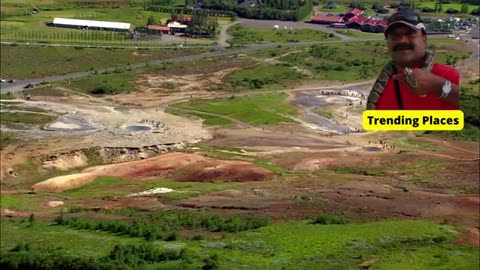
x=209 y=170
x=471 y=237
x=179 y=166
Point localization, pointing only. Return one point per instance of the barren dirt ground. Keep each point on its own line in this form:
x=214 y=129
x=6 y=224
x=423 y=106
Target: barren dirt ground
x=398 y=191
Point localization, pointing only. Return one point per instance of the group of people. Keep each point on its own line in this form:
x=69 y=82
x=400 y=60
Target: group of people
x=349 y=93
x=384 y=144
x=155 y=124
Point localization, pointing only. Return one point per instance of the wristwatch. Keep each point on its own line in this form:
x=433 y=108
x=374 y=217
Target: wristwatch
x=446 y=89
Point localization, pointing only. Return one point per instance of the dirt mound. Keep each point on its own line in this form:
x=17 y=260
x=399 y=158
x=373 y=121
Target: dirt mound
x=178 y=166
x=186 y=167
x=61 y=183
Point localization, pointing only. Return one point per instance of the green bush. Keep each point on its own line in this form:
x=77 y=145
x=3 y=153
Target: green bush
x=34 y=256
x=328 y=219
x=102 y=90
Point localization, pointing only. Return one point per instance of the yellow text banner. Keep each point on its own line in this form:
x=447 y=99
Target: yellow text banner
x=412 y=120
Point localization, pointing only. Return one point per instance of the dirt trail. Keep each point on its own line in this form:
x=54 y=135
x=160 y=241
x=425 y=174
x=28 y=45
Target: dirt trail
x=224 y=36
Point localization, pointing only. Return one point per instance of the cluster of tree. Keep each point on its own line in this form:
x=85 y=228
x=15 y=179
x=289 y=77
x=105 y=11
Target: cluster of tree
x=144 y=253
x=102 y=3
x=275 y=4
x=281 y=4
x=473 y=2
x=168 y=9
x=463 y=8
x=164 y=225
x=161 y=2
x=357 y=4
x=273 y=10
x=201 y=24
x=31 y=256
x=135 y=229
x=436 y=26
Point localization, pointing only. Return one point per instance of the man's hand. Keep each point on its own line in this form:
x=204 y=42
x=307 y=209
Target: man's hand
x=426 y=82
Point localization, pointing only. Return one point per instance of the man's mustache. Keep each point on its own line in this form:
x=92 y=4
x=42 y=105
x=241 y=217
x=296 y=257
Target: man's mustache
x=400 y=47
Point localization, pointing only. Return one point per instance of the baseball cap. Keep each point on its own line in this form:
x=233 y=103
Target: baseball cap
x=406 y=17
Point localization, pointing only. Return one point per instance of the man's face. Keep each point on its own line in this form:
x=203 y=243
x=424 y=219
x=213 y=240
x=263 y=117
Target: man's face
x=406 y=45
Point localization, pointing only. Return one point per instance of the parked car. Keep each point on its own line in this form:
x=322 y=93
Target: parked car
x=30 y=85
x=10 y=81
x=3 y=80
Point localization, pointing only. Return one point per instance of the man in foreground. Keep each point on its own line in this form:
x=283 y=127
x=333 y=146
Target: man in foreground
x=412 y=80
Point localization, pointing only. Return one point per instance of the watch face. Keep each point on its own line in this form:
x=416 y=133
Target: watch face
x=447 y=87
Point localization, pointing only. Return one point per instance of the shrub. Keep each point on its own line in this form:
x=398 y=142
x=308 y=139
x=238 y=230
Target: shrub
x=211 y=262
x=327 y=219
x=102 y=90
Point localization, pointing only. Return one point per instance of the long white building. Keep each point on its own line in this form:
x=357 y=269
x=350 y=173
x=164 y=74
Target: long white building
x=104 y=25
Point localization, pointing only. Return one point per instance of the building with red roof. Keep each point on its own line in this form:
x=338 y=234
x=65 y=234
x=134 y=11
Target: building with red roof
x=356 y=22
x=367 y=25
x=353 y=12
x=158 y=28
x=380 y=26
x=326 y=19
x=351 y=19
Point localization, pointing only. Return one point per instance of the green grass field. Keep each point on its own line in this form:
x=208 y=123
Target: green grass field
x=340 y=62
x=112 y=83
x=260 y=109
x=263 y=76
x=243 y=35
x=74 y=242
x=338 y=9
x=394 y=245
x=23 y=202
x=359 y=34
x=184 y=190
x=109 y=187
x=208 y=120
x=105 y=186
x=346 y=246
x=37 y=22
x=24 y=62
x=7 y=96
x=457 y=6
x=7 y=138
x=12 y=119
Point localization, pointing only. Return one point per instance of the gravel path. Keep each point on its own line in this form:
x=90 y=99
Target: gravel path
x=224 y=36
